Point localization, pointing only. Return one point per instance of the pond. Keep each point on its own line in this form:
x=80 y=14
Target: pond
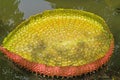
x=13 y=12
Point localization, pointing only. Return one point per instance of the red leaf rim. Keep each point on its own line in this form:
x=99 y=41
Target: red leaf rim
x=57 y=70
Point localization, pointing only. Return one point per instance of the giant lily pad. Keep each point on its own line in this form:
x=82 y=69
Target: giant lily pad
x=62 y=42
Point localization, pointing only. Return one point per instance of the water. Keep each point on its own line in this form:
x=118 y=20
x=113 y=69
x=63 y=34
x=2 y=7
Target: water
x=13 y=12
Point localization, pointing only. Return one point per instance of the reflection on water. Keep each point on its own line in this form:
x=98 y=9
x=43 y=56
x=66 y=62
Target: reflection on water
x=10 y=16
x=30 y=7
x=12 y=12
x=113 y=3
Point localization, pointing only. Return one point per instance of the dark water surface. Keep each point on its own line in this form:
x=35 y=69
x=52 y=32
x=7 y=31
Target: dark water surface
x=13 y=12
